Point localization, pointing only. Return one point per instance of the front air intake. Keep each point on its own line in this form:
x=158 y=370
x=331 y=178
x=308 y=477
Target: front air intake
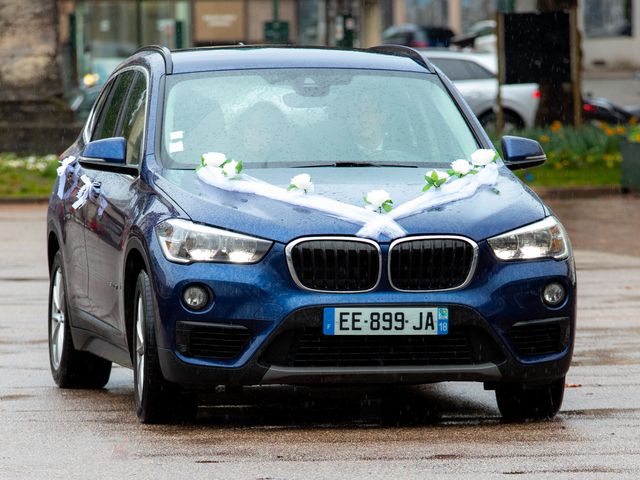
x=431 y=263
x=334 y=264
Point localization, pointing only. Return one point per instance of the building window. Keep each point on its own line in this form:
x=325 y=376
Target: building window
x=106 y=32
x=312 y=22
x=608 y=18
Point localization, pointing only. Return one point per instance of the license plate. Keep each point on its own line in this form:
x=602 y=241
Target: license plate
x=386 y=321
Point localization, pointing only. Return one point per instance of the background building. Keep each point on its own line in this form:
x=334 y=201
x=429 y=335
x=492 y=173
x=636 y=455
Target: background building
x=50 y=50
x=610 y=28
x=95 y=35
x=610 y=33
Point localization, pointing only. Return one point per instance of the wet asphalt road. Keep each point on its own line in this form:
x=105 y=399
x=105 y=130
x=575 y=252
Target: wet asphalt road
x=446 y=430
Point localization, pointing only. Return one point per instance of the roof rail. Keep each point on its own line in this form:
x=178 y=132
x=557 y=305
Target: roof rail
x=403 y=51
x=166 y=56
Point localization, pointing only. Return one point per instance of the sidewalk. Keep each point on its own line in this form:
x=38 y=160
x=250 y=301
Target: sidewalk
x=622 y=87
x=605 y=223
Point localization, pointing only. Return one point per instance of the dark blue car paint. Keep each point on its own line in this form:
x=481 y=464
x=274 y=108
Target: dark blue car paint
x=96 y=248
x=268 y=219
x=111 y=149
x=260 y=57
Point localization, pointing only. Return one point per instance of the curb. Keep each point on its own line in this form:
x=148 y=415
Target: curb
x=23 y=200
x=615 y=74
x=578 y=191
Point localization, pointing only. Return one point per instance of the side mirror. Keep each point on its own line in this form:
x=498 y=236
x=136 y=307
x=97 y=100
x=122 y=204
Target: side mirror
x=522 y=153
x=111 y=150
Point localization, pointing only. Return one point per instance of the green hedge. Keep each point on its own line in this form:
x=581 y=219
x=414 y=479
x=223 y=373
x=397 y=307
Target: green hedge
x=586 y=156
x=26 y=176
x=589 y=155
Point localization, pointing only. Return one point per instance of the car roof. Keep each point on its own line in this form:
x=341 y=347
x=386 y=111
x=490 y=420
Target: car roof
x=487 y=60
x=251 y=57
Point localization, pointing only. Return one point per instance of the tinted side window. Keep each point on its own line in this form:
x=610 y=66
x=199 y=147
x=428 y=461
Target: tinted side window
x=396 y=39
x=108 y=117
x=477 y=72
x=133 y=118
x=102 y=98
x=454 y=69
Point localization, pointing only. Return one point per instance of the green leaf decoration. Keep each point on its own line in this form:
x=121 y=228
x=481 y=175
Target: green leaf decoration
x=239 y=167
x=291 y=187
x=387 y=206
x=435 y=181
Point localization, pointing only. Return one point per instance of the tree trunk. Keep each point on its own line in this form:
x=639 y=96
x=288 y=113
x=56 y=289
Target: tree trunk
x=30 y=75
x=34 y=118
x=556 y=98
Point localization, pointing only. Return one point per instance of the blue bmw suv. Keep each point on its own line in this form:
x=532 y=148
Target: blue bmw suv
x=275 y=215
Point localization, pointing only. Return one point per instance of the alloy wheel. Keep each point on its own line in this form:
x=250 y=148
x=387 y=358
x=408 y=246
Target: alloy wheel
x=139 y=346
x=56 y=338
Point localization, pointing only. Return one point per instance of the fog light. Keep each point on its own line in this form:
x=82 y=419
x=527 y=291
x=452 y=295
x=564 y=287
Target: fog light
x=195 y=297
x=553 y=294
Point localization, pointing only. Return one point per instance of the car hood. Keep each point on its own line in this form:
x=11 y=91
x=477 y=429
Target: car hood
x=483 y=215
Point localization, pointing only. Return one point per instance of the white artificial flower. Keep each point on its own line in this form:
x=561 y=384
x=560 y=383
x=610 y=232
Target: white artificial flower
x=377 y=198
x=461 y=166
x=230 y=169
x=214 y=159
x=482 y=157
x=302 y=182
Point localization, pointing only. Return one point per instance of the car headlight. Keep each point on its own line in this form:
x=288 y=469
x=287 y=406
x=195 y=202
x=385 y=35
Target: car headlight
x=544 y=239
x=186 y=242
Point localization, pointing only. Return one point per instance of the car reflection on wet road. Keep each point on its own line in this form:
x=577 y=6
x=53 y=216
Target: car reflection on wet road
x=291 y=432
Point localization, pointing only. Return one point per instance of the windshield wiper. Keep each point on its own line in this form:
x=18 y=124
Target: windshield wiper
x=356 y=164
x=339 y=164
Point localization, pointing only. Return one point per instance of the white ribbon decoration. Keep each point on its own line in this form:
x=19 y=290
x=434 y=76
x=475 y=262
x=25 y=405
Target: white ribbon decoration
x=351 y=213
x=102 y=204
x=63 y=169
x=86 y=190
x=373 y=224
x=451 y=191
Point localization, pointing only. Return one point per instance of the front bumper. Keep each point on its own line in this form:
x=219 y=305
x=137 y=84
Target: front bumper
x=264 y=300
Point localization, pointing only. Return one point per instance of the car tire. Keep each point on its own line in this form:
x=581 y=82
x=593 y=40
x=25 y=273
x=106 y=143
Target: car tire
x=518 y=403
x=70 y=368
x=512 y=122
x=156 y=400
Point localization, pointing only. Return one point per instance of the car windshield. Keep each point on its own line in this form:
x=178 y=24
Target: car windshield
x=313 y=117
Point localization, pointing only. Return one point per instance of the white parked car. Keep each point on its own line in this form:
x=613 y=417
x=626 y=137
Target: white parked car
x=474 y=74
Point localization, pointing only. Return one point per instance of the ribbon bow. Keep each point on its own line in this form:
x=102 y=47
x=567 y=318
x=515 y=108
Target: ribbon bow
x=63 y=169
x=87 y=190
x=373 y=225
x=383 y=225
